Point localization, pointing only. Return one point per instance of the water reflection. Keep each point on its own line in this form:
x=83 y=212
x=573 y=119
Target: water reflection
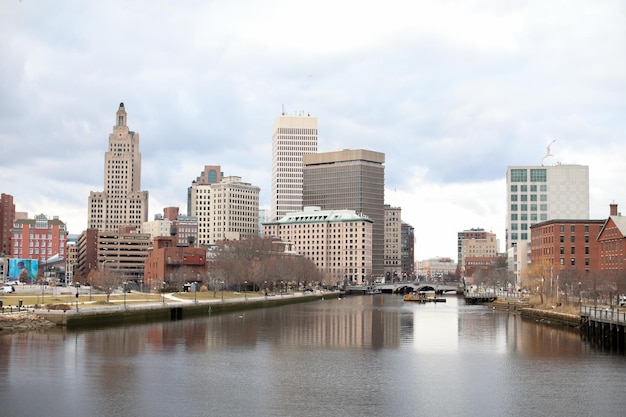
x=364 y=355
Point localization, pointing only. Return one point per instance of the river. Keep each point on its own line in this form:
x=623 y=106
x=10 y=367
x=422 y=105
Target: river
x=355 y=356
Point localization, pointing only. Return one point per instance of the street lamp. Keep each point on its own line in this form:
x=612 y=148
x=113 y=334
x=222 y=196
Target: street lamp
x=580 y=298
x=77 y=287
x=222 y=290
x=245 y=287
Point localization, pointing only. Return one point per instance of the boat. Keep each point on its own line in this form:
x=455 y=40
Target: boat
x=373 y=291
x=422 y=297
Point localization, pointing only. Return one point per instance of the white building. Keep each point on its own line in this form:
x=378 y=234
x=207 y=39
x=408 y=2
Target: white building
x=121 y=203
x=539 y=193
x=292 y=137
x=339 y=242
x=225 y=210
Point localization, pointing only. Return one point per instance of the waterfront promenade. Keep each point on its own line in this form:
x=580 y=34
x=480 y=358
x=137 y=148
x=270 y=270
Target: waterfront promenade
x=93 y=309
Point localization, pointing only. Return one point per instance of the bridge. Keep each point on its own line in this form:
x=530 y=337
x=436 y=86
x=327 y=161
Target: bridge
x=407 y=287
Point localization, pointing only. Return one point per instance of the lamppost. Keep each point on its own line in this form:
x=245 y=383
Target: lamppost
x=124 y=289
x=222 y=290
x=77 y=287
x=195 y=292
x=104 y=271
x=265 y=288
x=580 y=298
x=245 y=287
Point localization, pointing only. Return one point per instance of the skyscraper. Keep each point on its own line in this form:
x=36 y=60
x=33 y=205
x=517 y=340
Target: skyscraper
x=352 y=179
x=121 y=203
x=292 y=137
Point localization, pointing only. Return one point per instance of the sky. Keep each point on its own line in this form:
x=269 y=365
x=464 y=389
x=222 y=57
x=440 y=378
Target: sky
x=453 y=92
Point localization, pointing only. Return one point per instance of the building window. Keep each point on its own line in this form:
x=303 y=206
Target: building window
x=538 y=175
x=573 y=250
x=524 y=197
x=519 y=175
x=562 y=261
x=586 y=228
x=586 y=239
x=513 y=207
x=514 y=217
x=572 y=228
x=572 y=239
x=562 y=250
x=562 y=239
x=513 y=188
x=573 y=261
x=514 y=197
x=561 y=228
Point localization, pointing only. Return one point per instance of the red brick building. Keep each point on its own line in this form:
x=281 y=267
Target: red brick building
x=566 y=244
x=612 y=241
x=175 y=265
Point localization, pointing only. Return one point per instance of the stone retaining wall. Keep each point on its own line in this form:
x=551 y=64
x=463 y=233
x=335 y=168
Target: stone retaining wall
x=20 y=322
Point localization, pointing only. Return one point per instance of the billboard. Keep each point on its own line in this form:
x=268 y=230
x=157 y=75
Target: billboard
x=23 y=270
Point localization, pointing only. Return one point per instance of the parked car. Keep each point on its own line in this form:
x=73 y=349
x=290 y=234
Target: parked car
x=7 y=289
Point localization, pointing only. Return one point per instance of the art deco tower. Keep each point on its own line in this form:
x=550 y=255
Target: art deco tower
x=292 y=137
x=121 y=203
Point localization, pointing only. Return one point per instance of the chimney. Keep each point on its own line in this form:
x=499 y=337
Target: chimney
x=613 y=207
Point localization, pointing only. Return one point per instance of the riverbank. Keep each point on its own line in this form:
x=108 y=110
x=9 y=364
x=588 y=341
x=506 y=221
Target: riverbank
x=169 y=307
x=22 y=322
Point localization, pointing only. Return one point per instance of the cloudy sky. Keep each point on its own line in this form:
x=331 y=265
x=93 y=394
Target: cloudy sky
x=452 y=92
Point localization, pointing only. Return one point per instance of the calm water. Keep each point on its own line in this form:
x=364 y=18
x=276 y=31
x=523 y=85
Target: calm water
x=358 y=356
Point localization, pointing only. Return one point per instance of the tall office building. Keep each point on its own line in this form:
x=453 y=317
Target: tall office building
x=408 y=251
x=352 y=179
x=292 y=137
x=393 y=243
x=540 y=193
x=121 y=203
x=228 y=209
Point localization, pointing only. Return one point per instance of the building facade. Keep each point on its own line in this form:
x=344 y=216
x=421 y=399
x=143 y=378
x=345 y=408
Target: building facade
x=124 y=251
x=39 y=239
x=172 y=265
x=352 y=179
x=476 y=243
x=408 y=251
x=612 y=242
x=121 y=203
x=292 y=137
x=225 y=210
x=566 y=245
x=7 y=216
x=540 y=193
x=393 y=243
x=339 y=242
x=87 y=255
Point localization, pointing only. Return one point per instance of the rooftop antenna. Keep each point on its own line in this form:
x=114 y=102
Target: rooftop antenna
x=548 y=153
x=283 y=109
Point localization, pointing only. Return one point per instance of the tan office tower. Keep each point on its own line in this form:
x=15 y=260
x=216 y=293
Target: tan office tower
x=352 y=179
x=292 y=137
x=121 y=203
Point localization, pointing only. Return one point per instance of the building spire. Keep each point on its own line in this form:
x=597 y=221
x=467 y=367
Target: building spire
x=121 y=116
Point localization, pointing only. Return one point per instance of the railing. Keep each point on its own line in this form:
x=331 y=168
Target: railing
x=607 y=315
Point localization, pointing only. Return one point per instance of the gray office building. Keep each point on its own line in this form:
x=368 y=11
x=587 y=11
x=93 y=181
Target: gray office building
x=352 y=179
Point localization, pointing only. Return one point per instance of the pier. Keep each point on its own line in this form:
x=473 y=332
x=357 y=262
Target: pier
x=604 y=326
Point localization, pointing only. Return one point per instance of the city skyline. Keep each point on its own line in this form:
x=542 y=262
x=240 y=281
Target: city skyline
x=451 y=94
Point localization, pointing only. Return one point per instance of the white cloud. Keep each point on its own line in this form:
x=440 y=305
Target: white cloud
x=451 y=91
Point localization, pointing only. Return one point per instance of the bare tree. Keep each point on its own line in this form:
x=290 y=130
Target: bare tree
x=107 y=280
